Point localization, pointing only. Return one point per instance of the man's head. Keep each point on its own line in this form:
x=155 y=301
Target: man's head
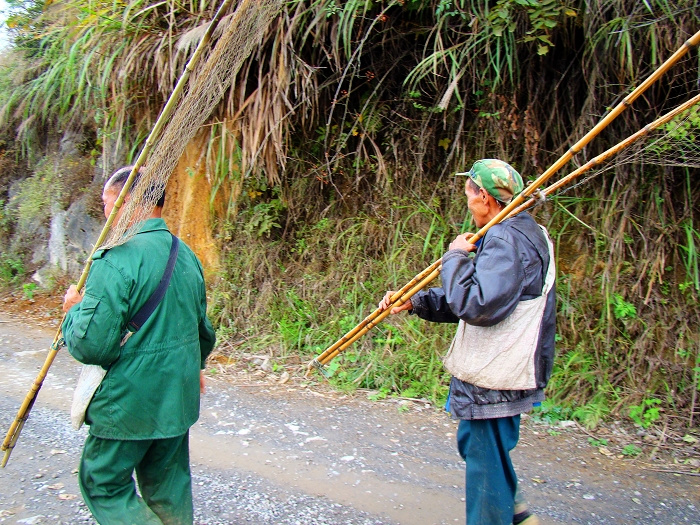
x=499 y=179
x=116 y=182
x=491 y=184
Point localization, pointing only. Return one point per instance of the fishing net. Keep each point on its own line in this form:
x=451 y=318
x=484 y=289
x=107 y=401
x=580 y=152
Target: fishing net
x=238 y=35
x=673 y=144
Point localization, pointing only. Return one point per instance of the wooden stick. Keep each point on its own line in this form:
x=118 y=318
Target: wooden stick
x=419 y=285
x=368 y=321
x=23 y=413
x=430 y=273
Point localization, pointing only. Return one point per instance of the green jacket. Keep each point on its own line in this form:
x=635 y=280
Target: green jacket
x=151 y=389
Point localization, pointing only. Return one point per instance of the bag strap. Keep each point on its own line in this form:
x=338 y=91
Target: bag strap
x=157 y=296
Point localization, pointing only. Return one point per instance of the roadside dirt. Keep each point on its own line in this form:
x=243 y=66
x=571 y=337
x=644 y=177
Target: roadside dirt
x=275 y=449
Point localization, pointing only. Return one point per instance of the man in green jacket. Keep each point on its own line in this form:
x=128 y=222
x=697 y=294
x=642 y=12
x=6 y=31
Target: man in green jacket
x=141 y=413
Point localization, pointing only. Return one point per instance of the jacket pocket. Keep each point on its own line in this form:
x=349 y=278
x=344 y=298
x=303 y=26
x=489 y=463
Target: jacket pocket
x=88 y=306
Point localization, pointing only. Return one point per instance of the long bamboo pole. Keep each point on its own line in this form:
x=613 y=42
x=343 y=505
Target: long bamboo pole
x=610 y=152
x=23 y=413
x=430 y=273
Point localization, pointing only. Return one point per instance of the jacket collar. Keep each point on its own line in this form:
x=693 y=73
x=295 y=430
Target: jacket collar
x=151 y=225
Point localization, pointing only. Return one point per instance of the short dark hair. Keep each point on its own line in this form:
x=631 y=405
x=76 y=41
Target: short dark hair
x=475 y=187
x=155 y=191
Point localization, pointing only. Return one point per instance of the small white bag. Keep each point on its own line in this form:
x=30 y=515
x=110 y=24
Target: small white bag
x=90 y=378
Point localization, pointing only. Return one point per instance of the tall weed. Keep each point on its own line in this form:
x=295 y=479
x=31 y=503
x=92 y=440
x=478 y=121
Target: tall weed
x=318 y=281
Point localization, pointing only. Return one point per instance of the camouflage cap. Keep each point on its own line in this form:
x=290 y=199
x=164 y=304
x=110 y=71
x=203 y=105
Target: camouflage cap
x=498 y=178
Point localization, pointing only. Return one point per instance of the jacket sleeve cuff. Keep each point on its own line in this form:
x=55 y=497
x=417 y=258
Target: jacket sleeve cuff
x=418 y=304
x=453 y=254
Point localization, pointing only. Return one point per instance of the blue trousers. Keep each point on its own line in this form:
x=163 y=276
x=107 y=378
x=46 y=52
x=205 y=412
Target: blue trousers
x=491 y=483
x=162 y=468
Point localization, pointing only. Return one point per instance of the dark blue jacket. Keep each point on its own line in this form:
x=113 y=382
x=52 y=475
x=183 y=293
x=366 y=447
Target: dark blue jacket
x=510 y=266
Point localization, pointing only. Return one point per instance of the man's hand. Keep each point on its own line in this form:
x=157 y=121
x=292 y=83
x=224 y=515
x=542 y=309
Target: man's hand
x=71 y=298
x=384 y=304
x=460 y=243
x=202 y=382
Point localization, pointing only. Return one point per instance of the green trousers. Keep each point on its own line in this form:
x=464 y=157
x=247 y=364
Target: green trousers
x=162 y=469
x=491 y=483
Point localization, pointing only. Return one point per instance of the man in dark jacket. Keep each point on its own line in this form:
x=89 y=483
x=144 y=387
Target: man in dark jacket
x=141 y=413
x=501 y=357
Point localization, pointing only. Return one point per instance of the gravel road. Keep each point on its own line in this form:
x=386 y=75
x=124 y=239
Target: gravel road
x=300 y=453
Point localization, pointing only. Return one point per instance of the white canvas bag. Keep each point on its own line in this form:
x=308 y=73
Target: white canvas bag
x=502 y=357
x=89 y=380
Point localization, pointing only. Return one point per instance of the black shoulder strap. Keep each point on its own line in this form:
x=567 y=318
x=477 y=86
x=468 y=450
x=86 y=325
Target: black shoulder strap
x=157 y=296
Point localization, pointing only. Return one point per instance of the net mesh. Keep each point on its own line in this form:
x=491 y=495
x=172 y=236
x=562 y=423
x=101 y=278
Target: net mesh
x=674 y=144
x=239 y=34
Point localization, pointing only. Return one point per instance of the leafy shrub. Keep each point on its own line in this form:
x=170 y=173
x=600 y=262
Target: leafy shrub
x=631 y=450
x=11 y=269
x=646 y=413
x=551 y=413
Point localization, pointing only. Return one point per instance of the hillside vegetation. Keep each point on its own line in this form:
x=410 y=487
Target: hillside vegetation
x=331 y=164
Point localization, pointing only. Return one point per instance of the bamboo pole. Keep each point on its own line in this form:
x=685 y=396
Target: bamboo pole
x=371 y=320
x=410 y=292
x=610 y=152
x=23 y=413
x=430 y=273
